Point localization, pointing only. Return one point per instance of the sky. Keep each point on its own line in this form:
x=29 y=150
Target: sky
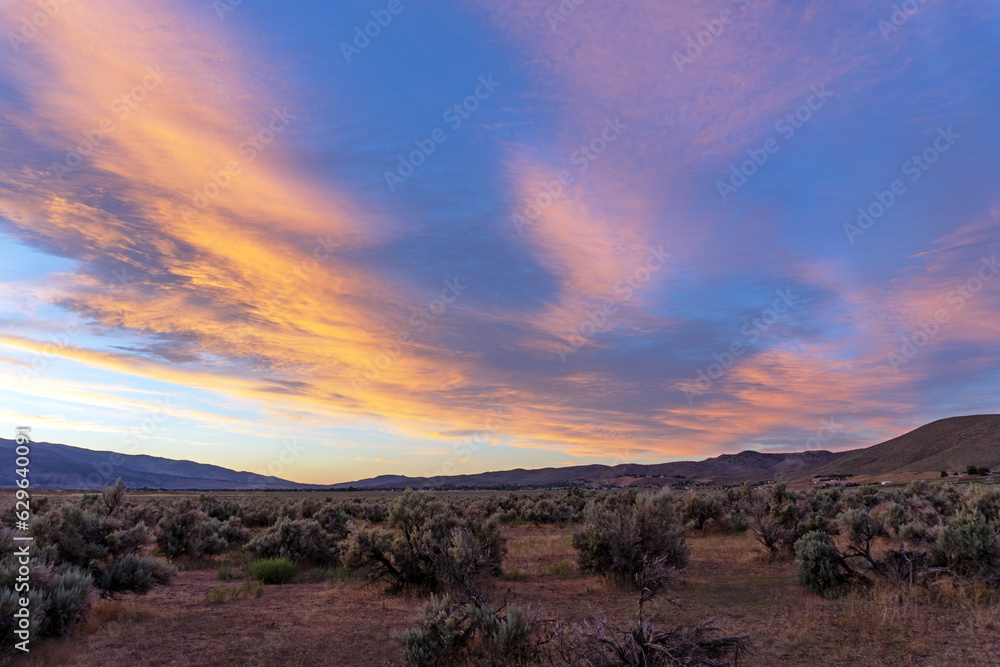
x=329 y=241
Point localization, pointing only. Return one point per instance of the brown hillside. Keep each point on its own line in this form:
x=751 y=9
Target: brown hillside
x=947 y=444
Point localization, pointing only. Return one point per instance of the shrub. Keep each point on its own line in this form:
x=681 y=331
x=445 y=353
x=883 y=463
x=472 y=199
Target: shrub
x=504 y=639
x=773 y=518
x=700 y=509
x=58 y=599
x=64 y=601
x=189 y=531
x=621 y=542
x=968 y=544
x=134 y=574
x=296 y=539
x=279 y=570
x=862 y=529
x=103 y=545
x=821 y=567
x=440 y=633
x=114 y=497
x=426 y=545
x=971 y=470
x=600 y=643
x=474 y=633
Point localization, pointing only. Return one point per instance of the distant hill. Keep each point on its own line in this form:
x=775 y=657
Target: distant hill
x=745 y=466
x=66 y=467
x=947 y=444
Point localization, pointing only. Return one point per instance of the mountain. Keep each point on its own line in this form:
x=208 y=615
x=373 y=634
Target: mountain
x=745 y=466
x=947 y=444
x=65 y=467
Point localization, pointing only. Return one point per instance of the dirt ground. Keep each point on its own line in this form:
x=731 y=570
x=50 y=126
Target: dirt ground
x=338 y=623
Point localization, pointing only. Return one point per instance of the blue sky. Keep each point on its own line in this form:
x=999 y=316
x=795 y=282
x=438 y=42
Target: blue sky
x=489 y=235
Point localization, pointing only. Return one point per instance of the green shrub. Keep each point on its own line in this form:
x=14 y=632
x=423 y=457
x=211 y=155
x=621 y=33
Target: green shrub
x=700 y=509
x=187 y=530
x=132 y=574
x=440 y=633
x=968 y=544
x=503 y=639
x=425 y=544
x=821 y=566
x=621 y=542
x=278 y=570
x=472 y=633
x=296 y=539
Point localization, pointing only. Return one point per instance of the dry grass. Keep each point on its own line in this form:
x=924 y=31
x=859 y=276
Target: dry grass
x=118 y=611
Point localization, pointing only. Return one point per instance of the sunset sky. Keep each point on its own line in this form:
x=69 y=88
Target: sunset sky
x=489 y=235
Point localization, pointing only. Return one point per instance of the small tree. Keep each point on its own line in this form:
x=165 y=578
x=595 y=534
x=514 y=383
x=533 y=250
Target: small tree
x=971 y=470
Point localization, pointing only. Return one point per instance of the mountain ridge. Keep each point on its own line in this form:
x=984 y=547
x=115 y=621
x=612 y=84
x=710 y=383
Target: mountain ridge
x=945 y=444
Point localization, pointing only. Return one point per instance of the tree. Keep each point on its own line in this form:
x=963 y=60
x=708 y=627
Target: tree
x=971 y=470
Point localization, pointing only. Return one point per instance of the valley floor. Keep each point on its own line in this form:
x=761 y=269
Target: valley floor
x=349 y=623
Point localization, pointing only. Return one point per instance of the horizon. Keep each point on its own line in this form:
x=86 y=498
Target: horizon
x=487 y=471
x=485 y=236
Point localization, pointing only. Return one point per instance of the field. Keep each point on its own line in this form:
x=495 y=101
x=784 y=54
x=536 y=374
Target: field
x=332 y=615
